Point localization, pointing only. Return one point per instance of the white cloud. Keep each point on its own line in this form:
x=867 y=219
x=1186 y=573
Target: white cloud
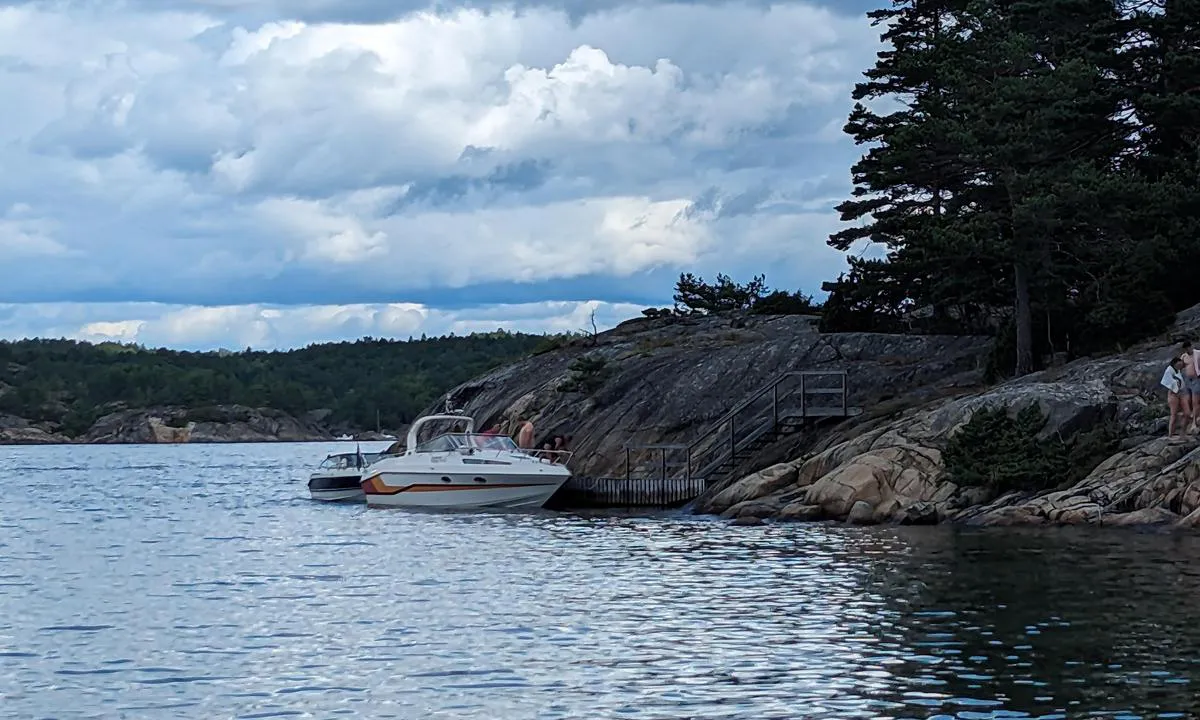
x=238 y=155
x=27 y=238
x=267 y=327
x=616 y=235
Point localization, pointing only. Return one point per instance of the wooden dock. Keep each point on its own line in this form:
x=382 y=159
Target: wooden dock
x=611 y=492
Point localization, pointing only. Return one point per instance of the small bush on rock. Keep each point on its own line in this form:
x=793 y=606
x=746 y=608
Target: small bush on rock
x=587 y=375
x=1002 y=452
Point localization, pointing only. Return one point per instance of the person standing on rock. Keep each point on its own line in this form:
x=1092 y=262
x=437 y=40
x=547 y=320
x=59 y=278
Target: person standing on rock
x=1191 y=385
x=1173 y=381
x=1190 y=395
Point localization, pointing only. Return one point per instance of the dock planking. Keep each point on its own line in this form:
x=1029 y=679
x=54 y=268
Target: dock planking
x=620 y=492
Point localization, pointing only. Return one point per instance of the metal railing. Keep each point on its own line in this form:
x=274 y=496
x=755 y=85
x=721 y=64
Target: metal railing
x=554 y=457
x=787 y=399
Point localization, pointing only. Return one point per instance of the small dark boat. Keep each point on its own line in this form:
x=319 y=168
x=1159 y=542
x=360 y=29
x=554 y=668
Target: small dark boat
x=339 y=476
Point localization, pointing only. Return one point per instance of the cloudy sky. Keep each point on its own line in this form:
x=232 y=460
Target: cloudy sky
x=225 y=173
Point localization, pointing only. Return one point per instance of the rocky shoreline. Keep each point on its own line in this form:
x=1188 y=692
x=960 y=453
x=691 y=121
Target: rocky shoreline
x=895 y=471
x=176 y=425
x=667 y=380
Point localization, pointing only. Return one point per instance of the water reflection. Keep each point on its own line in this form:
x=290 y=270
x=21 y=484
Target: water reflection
x=1051 y=623
x=200 y=582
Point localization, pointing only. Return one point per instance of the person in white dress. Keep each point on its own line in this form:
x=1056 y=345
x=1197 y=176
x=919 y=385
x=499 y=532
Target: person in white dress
x=1172 y=380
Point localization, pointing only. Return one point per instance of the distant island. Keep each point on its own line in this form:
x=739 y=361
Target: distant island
x=72 y=391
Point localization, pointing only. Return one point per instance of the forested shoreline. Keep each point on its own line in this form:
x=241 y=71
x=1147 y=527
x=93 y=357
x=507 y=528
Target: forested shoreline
x=68 y=384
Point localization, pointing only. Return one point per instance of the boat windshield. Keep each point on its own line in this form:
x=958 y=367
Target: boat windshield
x=475 y=441
x=338 y=462
x=346 y=461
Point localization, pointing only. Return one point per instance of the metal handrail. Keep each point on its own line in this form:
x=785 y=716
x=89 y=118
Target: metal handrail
x=732 y=413
x=714 y=427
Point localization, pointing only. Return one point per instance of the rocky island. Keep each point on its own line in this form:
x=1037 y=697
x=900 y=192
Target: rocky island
x=1096 y=425
x=216 y=424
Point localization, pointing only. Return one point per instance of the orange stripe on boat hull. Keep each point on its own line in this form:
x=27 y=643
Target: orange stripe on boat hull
x=375 y=486
x=439 y=488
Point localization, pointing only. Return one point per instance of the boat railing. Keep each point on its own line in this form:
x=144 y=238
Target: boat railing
x=554 y=457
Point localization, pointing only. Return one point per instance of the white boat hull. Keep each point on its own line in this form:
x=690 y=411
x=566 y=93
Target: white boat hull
x=463 y=470
x=426 y=491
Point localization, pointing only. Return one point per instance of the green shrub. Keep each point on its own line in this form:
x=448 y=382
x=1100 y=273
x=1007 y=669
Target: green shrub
x=1003 y=452
x=588 y=373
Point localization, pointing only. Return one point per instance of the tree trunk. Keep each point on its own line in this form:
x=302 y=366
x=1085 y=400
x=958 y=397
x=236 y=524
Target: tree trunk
x=1024 y=319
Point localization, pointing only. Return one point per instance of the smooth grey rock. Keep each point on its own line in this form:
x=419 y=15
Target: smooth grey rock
x=862 y=513
x=667 y=380
x=799 y=512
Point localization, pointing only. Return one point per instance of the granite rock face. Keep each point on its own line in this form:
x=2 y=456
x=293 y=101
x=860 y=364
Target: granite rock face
x=19 y=431
x=667 y=380
x=892 y=471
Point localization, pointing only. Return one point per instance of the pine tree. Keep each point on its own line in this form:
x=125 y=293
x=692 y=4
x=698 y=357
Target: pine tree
x=1041 y=138
x=905 y=183
x=1004 y=186
x=1161 y=72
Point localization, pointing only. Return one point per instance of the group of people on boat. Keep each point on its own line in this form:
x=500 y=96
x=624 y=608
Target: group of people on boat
x=553 y=448
x=1182 y=381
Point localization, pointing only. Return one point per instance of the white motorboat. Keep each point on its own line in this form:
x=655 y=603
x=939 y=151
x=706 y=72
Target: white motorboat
x=464 y=470
x=339 y=476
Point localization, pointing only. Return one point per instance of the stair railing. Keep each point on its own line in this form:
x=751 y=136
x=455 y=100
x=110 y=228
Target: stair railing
x=695 y=451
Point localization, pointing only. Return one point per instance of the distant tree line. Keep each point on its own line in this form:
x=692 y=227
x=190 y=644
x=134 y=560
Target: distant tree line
x=71 y=383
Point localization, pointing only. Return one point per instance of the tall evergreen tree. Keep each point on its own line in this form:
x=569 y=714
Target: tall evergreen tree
x=1004 y=186
x=1039 y=141
x=1161 y=73
x=907 y=179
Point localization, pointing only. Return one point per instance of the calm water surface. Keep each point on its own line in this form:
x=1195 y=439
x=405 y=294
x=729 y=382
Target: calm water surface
x=200 y=582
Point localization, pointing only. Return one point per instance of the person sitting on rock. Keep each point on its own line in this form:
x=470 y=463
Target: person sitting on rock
x=1172 y=380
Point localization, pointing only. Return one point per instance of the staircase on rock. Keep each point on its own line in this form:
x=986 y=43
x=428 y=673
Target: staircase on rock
x=674 y=474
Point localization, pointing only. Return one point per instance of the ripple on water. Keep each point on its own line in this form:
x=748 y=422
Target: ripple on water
x=203 y=584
